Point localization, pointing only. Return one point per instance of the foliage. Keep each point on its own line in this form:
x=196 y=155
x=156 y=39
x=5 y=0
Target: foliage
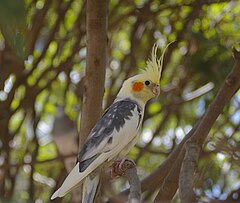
x=43 y=59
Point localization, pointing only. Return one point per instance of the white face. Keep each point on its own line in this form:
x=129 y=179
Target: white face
x=145 y=90
x=139 y=88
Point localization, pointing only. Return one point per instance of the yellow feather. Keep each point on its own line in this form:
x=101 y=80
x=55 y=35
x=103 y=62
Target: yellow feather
x=154 y=64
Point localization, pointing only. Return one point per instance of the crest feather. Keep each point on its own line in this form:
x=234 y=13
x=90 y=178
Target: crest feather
x=154 y=64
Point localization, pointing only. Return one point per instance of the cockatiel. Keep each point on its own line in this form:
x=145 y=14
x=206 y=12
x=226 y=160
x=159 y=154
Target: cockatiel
x=117 y=130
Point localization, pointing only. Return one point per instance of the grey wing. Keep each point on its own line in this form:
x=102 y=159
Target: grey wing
x=100 y=138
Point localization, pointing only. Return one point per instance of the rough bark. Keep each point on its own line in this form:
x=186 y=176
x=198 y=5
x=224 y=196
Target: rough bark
x=97 y=23
x=189 y=165
x=96 y=65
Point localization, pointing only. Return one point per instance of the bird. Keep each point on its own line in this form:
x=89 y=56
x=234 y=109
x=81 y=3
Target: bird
x=117 y=131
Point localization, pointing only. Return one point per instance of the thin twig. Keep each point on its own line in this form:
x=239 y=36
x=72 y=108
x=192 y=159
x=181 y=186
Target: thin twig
x=58 y=158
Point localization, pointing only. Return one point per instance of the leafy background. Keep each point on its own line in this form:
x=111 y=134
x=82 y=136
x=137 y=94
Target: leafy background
x=43 y=59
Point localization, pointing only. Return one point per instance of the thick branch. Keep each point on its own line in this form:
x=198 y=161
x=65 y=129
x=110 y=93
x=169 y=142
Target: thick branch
x=96 y=65
x=229 y=88
x=156 y=178
x=169 y=184
x=199 y=133
x=186 y=179
x=201 y=129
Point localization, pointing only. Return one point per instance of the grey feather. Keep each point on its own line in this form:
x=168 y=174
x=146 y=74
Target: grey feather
x=85 y=163
x=100 y=136
x=90 y=188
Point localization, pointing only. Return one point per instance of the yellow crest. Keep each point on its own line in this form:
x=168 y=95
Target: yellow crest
x=154 y=64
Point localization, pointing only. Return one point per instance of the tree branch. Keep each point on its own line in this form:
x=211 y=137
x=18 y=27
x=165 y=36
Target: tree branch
x=186 y=179
x=221 y=99
x=96 y=65
x=199 y=133
x=151 y=182
x=169 y=184
x=128 y=168
x=229 y=88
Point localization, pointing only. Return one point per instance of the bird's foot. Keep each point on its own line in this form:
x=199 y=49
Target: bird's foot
x=120 y=166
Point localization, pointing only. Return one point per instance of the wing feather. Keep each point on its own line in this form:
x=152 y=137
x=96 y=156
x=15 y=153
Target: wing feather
x=107 y=129
x=117 y=128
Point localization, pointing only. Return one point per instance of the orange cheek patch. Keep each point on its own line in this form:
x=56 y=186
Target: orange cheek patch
x=137 y=86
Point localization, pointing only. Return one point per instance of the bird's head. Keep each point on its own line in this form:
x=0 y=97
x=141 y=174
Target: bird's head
x=145 y=86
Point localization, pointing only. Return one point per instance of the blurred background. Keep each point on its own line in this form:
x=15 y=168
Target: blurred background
x=42 y=67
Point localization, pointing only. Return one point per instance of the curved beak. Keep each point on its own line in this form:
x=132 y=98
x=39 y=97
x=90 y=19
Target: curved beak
x=156 y=90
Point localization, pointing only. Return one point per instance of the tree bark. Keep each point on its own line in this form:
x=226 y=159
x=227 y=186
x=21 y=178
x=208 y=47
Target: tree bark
x=97 y=60
x=96 y=65
x=189 y=165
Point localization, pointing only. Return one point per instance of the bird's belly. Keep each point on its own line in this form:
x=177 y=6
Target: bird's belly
x=124 y=146
x=128 y=147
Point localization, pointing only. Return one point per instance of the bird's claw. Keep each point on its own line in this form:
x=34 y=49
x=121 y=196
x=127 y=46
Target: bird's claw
x=120 y=166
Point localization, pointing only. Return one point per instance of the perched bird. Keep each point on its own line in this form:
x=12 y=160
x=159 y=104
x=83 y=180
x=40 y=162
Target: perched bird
x=117 y=130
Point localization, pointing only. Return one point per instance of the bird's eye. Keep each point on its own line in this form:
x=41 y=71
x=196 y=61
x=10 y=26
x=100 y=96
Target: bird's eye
x=147 y=82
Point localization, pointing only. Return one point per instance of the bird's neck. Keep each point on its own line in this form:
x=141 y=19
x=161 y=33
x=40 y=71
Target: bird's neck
x=139 y=102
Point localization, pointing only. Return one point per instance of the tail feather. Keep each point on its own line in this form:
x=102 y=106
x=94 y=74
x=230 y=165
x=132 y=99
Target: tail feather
x=75 y=177
x=90 y=188
x=72 y=181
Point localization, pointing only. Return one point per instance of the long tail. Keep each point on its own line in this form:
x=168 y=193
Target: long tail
x=72 y=181
x=75 y=178
x=90 y=188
